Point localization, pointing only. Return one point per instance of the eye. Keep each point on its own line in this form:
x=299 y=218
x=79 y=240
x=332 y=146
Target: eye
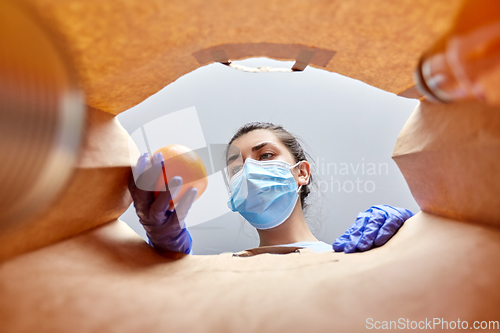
x=266 y=156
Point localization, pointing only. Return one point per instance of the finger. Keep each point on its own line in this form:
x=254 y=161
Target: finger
x=375 y=221
x=397 y=217
x=142 y=199
x=157 y=158
x=184 y=205
x=402 y=212
x=388 y=230
x=143 y=194
x=148 y=179
x=341 y=241
x=142 y=191
x=338 y=245
x=137 y=170
x=141 y=165
x=357 y=233
x=174 y=187
x=409 y=212
x=159 y=207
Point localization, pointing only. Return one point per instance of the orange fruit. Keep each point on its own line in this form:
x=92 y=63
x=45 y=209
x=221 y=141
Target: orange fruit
x=181 y=161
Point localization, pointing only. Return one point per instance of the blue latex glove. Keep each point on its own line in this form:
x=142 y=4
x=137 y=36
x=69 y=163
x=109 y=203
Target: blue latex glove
x=372 y=228
x=165 y=228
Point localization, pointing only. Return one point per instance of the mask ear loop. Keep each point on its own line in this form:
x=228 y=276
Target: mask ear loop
x=227 y=181
x=293 y=166
x=298 y=189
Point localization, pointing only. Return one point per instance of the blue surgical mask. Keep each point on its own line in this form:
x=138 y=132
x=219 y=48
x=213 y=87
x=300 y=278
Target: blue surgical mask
x=264 y=192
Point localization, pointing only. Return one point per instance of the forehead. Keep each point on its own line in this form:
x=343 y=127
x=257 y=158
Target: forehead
x=245 y=142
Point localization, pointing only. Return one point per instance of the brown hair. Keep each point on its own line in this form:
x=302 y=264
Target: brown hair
x=290 y=141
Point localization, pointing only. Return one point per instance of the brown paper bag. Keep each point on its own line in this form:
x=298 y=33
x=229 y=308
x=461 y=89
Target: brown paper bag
x=449 y=155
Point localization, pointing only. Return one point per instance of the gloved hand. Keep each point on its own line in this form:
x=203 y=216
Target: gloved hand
x=372 y=228
x=165 y=228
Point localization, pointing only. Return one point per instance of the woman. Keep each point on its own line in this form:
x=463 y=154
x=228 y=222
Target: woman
x=269 y=178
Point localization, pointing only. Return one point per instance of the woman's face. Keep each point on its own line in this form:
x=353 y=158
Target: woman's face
x=263 y=145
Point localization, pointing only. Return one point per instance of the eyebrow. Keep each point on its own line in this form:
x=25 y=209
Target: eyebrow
x=231 y=158
x=261 y=145
x=257 y=147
